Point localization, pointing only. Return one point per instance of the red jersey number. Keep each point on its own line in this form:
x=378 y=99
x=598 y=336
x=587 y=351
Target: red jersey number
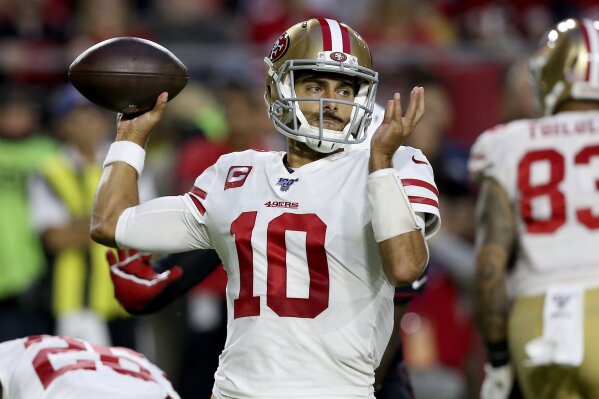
x=247 y=304
x=47 y=373
x=551 y=190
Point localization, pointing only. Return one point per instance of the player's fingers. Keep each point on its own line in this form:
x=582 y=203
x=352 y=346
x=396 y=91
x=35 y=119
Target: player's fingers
x=388 y=112
x=122 y=253
x=397 y=111
x=111 y=258
x=160 y=102
x=155 y=114
x=421 y=106
x=410 y=116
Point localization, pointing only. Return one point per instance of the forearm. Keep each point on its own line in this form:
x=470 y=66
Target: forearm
x=495 y=241
x=399 y=236
x=491 y=293
x=404 y=257
x=117 y=191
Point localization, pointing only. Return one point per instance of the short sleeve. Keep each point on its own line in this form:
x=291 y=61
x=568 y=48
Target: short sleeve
x=480 y=162
x=197 y=197
x=417 y=178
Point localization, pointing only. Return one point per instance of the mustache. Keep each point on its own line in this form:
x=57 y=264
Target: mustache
x=328 y=116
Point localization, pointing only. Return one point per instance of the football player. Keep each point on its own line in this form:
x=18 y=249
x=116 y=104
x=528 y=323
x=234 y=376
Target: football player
x=538 y=203
x=55 y=367
x=144 y=286
x=313 y=239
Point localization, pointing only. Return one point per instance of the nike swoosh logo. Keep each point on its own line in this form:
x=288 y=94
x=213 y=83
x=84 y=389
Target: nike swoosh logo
x=418 y=161
x=420 y=282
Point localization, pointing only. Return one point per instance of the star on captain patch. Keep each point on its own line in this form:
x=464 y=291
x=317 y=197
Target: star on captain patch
x=285 y=183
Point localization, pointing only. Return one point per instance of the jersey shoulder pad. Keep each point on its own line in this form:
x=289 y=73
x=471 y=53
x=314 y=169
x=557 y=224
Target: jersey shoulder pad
x=247 y=157
x=493 y=145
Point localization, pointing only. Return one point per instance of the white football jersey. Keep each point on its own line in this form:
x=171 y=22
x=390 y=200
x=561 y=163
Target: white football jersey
x=549 y=168
x=53 y=367
x=310 y=310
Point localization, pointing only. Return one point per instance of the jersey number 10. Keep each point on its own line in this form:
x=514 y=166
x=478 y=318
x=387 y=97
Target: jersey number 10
x=557 y=198
x=247 y=304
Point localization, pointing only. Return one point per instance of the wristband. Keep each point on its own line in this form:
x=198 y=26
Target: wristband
x=392 y=214
x=128 y=152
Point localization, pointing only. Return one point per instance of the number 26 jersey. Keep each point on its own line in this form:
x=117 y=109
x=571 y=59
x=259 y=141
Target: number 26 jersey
x=55 y=367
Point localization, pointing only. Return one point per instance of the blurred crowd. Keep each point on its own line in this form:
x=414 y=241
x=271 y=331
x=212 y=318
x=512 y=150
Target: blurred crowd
x=468 y=55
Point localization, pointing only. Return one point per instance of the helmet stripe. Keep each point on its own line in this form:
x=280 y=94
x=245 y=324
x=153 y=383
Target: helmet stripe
x=346 y=42
x=326 y=34
x=336 y=36
x=591 y=37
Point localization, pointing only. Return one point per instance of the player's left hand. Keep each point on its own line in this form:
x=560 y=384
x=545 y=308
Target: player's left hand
x=397 y=127
x=135 y=282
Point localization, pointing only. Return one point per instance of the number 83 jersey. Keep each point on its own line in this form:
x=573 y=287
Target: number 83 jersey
x=310 y=310
x=549 y=168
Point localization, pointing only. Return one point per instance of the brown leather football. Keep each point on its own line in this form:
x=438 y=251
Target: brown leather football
x=126 y=74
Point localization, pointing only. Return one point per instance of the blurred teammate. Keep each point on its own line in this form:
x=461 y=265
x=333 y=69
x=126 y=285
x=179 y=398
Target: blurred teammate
x=54 y=367
x=538 y=203
x=313 y=240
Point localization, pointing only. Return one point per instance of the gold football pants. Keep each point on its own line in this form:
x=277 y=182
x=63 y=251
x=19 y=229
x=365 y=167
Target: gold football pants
x=554 y=381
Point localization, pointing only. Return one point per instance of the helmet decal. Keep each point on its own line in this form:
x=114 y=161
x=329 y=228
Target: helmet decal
x=280 y=47
x=337 y=56
x=591 y=37
x=335 y=37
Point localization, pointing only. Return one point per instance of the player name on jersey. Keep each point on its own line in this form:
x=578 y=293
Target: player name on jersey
x=544 y=129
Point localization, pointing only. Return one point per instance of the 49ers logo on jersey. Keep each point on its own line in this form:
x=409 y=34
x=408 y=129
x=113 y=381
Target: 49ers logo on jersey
x=280 y=47
x=282 y=204
x=236 y=176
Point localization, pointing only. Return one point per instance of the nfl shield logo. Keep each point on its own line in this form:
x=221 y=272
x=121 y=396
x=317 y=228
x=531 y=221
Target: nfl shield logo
x=285 y=183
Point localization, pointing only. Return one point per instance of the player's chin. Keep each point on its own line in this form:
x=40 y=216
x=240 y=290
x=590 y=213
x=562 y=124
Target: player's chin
x=333 y=126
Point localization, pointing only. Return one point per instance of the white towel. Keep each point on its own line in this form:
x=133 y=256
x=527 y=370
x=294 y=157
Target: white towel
x=563 y=335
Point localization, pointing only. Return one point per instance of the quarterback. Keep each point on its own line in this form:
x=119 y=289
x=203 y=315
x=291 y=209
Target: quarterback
x=313 y=239
x=54 y=367
x=538 y=206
